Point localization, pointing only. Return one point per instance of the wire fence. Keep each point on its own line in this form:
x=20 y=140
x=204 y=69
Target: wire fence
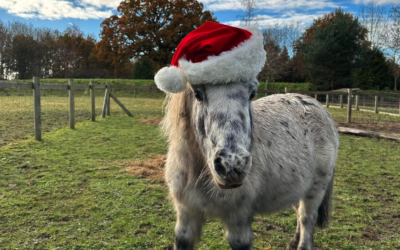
x=17 y=107
x=384 y=103
x=16 y=115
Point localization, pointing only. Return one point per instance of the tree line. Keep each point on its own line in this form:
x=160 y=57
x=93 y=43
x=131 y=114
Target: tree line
x=28 y=51
x=338 y=50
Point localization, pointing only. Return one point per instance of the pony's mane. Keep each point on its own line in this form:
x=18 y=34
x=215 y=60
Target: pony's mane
x=177 y=109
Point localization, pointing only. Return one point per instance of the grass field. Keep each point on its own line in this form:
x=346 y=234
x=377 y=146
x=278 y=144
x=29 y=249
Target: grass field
x=74 y=190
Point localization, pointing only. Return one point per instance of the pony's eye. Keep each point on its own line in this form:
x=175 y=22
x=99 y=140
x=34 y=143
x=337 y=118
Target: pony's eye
x=252 y=95
x=198 y=96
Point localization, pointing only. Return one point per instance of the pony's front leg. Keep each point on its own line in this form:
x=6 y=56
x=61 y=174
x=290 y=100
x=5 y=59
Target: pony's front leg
x=240 y=235
x=188 y=228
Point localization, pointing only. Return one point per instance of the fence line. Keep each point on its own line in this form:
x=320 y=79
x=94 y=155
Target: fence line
x=36 y=87
x=343 y=96
x=331 y=97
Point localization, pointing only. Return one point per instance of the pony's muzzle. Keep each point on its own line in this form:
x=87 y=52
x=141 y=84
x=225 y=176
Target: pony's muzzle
x=231 y=169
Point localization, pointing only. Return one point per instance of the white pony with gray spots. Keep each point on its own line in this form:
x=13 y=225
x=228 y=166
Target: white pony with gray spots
x=230 y=157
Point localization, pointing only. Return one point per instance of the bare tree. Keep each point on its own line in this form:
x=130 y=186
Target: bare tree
x=279 y=43
x=250 y=9
x=374 y=17
x=391 y=38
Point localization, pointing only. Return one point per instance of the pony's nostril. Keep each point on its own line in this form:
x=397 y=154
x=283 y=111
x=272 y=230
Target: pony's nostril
x=219 y=168
x=237 y=171
x=246 y=160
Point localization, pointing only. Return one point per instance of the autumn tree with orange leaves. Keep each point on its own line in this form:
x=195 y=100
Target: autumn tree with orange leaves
x=148 y=27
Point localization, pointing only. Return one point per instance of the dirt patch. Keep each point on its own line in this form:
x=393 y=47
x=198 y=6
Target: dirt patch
x=150 y=121
x=152 y=168
x=376 y=126
x=370 y=234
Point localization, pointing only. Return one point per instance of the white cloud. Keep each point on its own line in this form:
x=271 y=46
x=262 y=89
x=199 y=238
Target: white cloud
x=102 y=3
x=378 y=2
x=287 y=18
x=53 y=9
x=272 y=5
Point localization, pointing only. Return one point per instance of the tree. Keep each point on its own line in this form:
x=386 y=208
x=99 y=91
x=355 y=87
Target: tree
x=272 y=67
x=279 y=41
x=249 y=8
x=392 y=41
x=373 y=71
x=143 y=69
x=374 y=18
x=73 y=54
x=5 y=41
x=148 y=27
x=330 y=48
x=25 y=56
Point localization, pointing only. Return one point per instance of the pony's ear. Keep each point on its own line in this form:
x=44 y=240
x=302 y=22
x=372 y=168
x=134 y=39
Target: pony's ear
x=170 y=80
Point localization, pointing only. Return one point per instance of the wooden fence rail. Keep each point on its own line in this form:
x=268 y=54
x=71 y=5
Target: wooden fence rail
x=71 y=87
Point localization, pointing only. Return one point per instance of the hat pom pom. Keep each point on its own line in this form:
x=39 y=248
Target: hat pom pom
x=170 y=80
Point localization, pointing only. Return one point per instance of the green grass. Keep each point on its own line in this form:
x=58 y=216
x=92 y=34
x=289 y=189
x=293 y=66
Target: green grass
x=80 y=196
x=72 y=191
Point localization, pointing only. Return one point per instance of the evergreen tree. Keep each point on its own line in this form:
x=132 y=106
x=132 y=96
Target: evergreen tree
x=143 y=69
x=330 y=48
x=373 y=71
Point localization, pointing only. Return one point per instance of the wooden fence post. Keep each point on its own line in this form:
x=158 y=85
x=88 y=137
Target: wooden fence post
x=349 y=103
x=327 y=101
x=108 y=100
x=92 y=101
x=357 y=102
x=71 y=91
x=37 y=109
x=316 y=97
x=341 y=101
x=376 y=105
x=286 y=90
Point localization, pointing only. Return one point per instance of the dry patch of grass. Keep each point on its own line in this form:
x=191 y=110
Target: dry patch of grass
x=151 y=168
x=151 y=121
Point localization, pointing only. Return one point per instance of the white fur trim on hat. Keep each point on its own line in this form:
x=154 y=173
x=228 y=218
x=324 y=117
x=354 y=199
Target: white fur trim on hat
x=170 y=80
x=241 y=63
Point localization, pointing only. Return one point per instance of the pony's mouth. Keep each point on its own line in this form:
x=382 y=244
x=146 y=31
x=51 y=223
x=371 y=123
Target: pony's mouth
x=229 y=186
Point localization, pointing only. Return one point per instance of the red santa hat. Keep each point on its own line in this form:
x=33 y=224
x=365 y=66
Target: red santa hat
x=213 y=53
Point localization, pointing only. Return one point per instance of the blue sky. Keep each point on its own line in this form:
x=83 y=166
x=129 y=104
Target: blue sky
x=88 y=14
